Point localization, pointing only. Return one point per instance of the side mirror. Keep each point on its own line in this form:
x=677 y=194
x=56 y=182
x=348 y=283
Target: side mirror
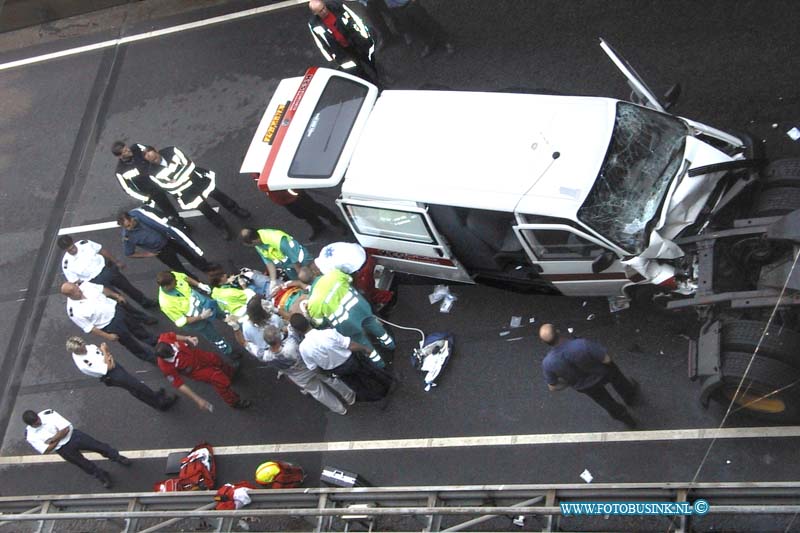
x=603 y=261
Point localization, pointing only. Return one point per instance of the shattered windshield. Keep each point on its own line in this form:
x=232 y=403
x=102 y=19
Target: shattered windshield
x=644 y=155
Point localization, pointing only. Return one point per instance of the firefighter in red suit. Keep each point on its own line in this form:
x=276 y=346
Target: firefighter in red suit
x=178 y=356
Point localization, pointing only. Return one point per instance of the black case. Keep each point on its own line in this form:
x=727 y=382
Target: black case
x=335 y=477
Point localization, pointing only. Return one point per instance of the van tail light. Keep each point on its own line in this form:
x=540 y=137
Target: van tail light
x=670 y=283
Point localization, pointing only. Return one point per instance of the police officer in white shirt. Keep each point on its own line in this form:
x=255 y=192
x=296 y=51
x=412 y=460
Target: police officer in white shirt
x=99 y=363
x=93 y=308
x=48 y=431
x=87 y=260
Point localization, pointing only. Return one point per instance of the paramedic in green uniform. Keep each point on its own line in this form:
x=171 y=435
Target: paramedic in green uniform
x=278 y=250
x=335 y=301
x=190 y=308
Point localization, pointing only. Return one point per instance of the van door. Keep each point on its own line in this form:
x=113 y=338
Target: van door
x=635 y=81
x=402 y=238
x=565 y=255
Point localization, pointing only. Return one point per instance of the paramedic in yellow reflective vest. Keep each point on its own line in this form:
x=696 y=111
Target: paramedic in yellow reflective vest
x=182 y=300
x=335 y=301
x=278 y=250
x=232 y=301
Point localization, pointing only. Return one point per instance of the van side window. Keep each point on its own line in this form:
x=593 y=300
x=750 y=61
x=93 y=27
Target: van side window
x=559 y=244
x=389 y=223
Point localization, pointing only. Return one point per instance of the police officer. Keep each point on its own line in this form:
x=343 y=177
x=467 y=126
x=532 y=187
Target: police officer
x=177 y=175
x=87 y=260
x=99 y=363
x=133 y=175
x=98 y=310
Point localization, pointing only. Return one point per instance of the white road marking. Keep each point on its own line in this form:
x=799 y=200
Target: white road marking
x=151 y=34
x=453 y=442
x=111 y=225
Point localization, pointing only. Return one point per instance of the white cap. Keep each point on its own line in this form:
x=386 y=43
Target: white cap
x=346 y=256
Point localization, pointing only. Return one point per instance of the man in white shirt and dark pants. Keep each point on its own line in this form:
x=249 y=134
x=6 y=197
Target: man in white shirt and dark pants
x=48 y=431
x=87 y=260
x=337 y=355
x=99 y=363
x=95 y=309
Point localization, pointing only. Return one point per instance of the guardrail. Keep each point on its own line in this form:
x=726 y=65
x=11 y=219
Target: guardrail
x=430 y=508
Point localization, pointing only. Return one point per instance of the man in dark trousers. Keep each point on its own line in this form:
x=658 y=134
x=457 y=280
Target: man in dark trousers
x=143 y=228
x=48 y=431
x=586 y=367
x=133 y=175
x=303 y=206
x=99 y=363
x=191 y=185
x=343 y=38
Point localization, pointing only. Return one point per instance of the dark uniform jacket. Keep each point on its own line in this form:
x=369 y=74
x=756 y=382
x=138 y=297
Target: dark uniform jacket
x=352 y=28
x=134 y=175
x=178 y=176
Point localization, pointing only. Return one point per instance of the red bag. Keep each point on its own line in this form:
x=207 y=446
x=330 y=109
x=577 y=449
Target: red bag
x=198 y=469
x=225 y=495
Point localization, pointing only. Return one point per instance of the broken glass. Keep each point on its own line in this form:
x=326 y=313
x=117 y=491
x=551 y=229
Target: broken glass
x=643 y=157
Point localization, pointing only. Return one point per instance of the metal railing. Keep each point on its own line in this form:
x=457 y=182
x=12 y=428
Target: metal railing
x=427 y=509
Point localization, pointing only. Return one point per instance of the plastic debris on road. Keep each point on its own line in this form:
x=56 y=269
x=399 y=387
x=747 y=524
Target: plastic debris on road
x=439 y=292
x=516 y=321
x=618 y=303
x=793 y=134
x=587 y=476
x=531 y=320
x=447 y=303
x=504 y=333
x=591 y=317
x=570 y=330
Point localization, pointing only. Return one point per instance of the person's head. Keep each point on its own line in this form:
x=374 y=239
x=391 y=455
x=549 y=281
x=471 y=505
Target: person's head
x=249 y=237
x=164 y=350
x=31 y=418
x=66 y=243
x=217 y=278
x=76 y=345
x=306 y=274
x=121 y=150
x=214 y=269
x=299 y=323
x=166 y=280
x=272 y=336
x=72 y=290
x=152 y=155
x=256 y=312
x=318 y=7
x=548 y=334
x=125 y=220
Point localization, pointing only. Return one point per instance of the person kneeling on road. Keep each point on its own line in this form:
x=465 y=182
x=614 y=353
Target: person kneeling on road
x=177 y=354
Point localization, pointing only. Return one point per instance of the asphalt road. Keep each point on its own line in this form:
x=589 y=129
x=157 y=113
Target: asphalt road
x=205 y=89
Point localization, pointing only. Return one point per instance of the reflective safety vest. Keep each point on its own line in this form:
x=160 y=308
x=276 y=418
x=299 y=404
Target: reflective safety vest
x=180 y=305
x=270 y=249
x=232 y=300
x=330 y=292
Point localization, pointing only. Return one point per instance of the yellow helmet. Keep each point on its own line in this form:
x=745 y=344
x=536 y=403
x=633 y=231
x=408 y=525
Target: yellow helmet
x=266 y=472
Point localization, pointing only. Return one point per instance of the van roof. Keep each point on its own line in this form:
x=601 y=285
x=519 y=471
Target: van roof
x=482 y=150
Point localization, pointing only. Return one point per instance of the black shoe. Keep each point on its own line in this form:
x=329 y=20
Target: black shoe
x=124 y=461
x=629 y=421
x=241 y=212
x=150 y=304
x=242 y=404
x=633 y=399
x=167 y=400
x=105 y=479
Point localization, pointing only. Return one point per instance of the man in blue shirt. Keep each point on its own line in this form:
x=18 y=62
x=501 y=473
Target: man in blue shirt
x=144 y=229
x=586 y=367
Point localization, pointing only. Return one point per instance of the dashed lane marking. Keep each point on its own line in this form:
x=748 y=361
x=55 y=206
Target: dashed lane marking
x=113 y=224
x=151 y=34
x=452 y=442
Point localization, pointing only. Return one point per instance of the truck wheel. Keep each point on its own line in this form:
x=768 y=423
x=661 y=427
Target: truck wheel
x=780 y=344
x=777 y=201
x=771 y=391
x=782 y=173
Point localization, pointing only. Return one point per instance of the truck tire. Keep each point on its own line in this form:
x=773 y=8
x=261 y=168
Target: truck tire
x=766 y=377
x=777 y=201
x=780 y=343
x=782 y=173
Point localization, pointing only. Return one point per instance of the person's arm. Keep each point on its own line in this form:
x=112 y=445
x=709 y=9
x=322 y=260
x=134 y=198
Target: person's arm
x=108 y=336
x=53 y=441
x=187 y=338
x=137 y=255
x=356 y=347
x=272 y=272
x=202 y=404
x=114 y=295
x=105 y=253
x=107 y=357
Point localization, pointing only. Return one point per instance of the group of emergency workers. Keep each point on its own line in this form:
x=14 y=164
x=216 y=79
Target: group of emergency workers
x=304 y=316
